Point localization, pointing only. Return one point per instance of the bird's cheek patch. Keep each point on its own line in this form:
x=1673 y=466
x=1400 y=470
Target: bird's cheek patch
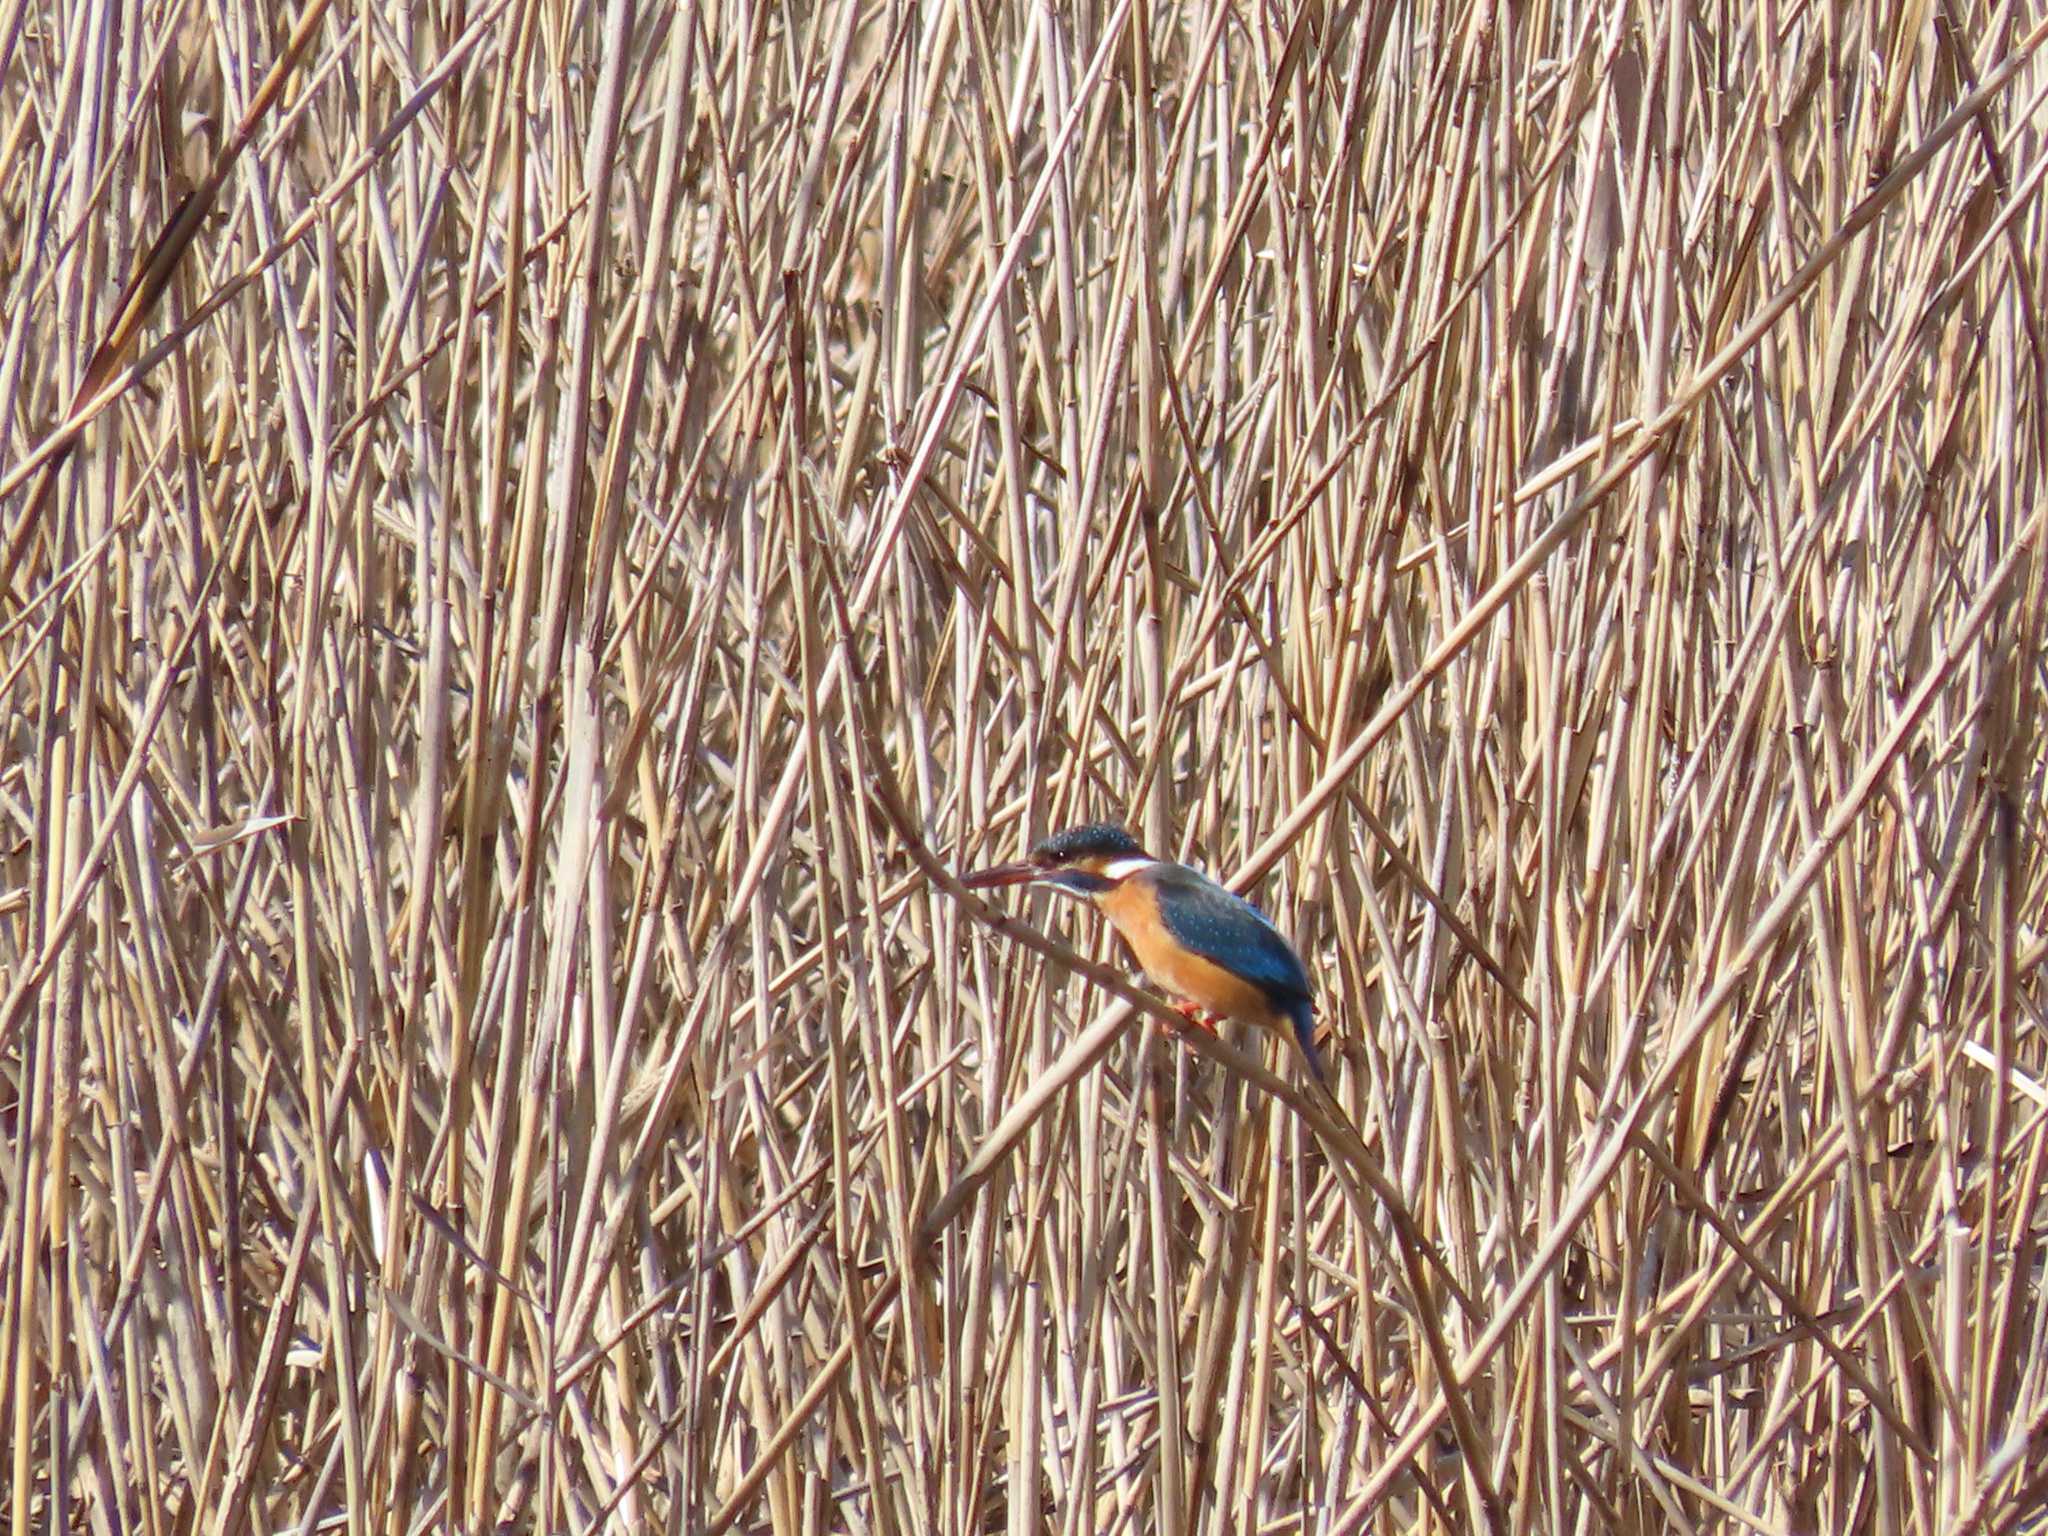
x=1079 y=882
x=1123 y=869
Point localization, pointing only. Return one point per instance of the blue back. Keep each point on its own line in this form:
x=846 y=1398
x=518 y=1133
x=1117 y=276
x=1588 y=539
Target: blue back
x=1202 y=916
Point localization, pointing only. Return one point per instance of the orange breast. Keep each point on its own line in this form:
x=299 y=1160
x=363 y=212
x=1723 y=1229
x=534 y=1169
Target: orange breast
x=1134 y=909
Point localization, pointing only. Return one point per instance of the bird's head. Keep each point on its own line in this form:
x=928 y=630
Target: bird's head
x=1081 y=861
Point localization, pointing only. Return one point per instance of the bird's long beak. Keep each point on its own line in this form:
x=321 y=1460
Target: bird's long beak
x=1002 y=874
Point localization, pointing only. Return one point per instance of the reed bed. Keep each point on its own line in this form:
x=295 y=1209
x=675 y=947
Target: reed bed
x=538 y=538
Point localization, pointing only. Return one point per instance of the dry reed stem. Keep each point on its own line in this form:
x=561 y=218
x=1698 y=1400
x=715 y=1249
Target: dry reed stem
x=535 y=538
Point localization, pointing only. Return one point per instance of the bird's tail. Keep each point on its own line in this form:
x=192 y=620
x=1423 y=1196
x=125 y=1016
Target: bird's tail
x=1302 y=1013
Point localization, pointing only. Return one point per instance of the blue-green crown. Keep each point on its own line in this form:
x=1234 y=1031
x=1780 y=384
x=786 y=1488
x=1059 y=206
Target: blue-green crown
x=1097 y=840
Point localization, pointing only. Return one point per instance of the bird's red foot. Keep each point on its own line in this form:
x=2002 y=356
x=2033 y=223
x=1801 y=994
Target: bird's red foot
x=1195 y=1016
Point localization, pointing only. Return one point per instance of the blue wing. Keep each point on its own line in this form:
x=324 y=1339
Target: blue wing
x=1204 y=917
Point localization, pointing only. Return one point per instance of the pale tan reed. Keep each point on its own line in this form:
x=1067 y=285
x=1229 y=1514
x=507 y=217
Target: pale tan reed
x=536 y=538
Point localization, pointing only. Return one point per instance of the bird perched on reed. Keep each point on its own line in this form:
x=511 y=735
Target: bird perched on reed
x=1216 y=953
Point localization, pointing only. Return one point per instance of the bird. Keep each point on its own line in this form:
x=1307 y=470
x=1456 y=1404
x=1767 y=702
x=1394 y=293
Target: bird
x=1213 y=951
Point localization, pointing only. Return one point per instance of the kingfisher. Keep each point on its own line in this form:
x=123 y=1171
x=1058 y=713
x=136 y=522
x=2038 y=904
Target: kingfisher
x=1215 y=952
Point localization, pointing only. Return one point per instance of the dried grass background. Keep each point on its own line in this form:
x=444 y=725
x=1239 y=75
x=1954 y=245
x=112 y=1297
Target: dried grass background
x=534 y=536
